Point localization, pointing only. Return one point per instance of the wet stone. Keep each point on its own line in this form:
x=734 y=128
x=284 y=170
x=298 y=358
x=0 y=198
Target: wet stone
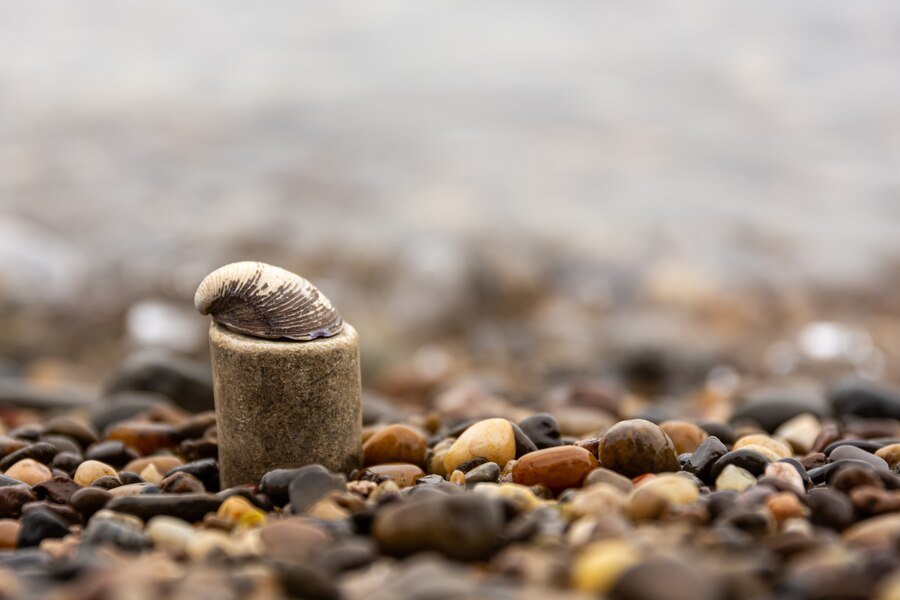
x=41 y=452
x=635 y=447
x=745 y=458
x=39 y=525
x=524 y=445
x=114 y=453
x=311 y=483
x=107 y=482
x=205 y=470
x=181 y=483
x=189 y=507
x=58 y=490
x=89 y=500
x=12 y=499
x=854 y=453
x=487 y=472
x=395 y=443
x=491 y=439
x=557 y=468
x=66 y=462
x=543 y=430
x=461 y=527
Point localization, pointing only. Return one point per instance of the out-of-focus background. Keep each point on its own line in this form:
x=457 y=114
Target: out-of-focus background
x=655 y=191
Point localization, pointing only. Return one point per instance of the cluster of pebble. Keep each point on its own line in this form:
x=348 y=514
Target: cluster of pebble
x=788 y=498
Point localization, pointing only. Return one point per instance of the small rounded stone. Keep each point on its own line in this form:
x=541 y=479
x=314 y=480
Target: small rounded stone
x=602 y=475
x=491 y=439
x=519 y=495
x=145 y=438
x=395 y=443
x=557 y=468
x=890 y=454
x=734 y=478
x=91 y=470
x=635 y=447
x=169 y=534
x=9 y=534
x=241 y=512
x=780 y=449
x=404 y=474
x=29 y=471
x=600 y=564
x=655 y=495
x=163 y=463
x=800 y=432
x=785 y=505
x=687 y=437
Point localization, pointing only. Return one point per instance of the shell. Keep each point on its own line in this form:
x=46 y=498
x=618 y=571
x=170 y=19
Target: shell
x=267 y=302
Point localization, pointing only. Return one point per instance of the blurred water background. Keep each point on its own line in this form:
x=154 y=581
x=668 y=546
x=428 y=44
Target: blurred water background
x=540 y=185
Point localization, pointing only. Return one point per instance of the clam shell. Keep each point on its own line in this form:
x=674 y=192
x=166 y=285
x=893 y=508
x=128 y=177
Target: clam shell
x=267 y=302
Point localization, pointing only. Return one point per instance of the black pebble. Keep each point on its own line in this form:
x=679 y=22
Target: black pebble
x=543 y=430
x=702 y=459
x=40 y=525
x=745 y=458
x=206 y=470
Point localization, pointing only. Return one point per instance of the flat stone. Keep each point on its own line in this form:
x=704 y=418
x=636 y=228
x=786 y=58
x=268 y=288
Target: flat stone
x=189 y=507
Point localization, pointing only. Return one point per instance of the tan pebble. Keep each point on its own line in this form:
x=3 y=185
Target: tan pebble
x=151 y=474
x=597 y=500
x=604 y=475
x=384 y=489
x=787 y=474
x=437 y=455
x=800 y=432
x=780 y=449
x=491 y=439
x=29 y=471
x=395 y=443
x=169 y=534
x=784 y=506
x=656 y=495
x=600 y=564
x=883 y=530
x=163 y=463
x=889 y=587
x=131 y=489
x=327 y=510
x=582 y=421
x=734 y=478
x=686 y=436
x=403 y=473
x=521 y=496
x=458 y=478
x=890 y=454
x=9 y=534
x=767 y=452
x=210 y=542
x=91 y=470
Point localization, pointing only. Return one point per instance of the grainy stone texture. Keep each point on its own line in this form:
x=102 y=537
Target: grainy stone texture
x=285 y=404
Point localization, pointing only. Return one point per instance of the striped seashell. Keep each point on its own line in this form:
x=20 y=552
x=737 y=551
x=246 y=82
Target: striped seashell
x=267 y=302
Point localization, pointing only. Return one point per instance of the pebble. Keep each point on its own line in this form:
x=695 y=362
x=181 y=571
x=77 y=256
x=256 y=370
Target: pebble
x=745 y=458
x=41 y=452
x=395 y=443
x=89 y=500
x=294 y=540
x=687 y=437
x=311 y=483
x=830 y=508
x=151 y=474
x=488 y=472
x=163 y=463
x=635 y=447
x=882 y=531
x=113 y=453
x=29 y=471
x=597 y=568
x=788 y=475
x=58 y=489
x=461 y=527
x=82 y=433
x=853 y=453
x=604 y=475
x=543 y=430
x=205 y=470
x=189 y=507
x=66 y=462
x=491 y=439
x=39 y=525
x=890 y=454
x=785 y=505
x=600 y=499
x=734 y=478
x=521 y=497
x=664 y=578
x=238 y=510
x=800 y=432
x=702 y=459
x=181 y=483
x=557 y=468
x=862 y=398
x=116 y=531
x=187 y=383
x=524 y=445
x=404 y=474
x=756 y=441
x=9 y=534
x=772 y=406
x=654 y=496
x=12 y=499
x=91 y=470
x=143 y=437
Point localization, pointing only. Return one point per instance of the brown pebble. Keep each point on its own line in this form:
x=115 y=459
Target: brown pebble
x=602 y=475
x=29 y=471
x=182 y=483
x=491 y=439
x=9 y=534
x=687 y=437
x=875 y=500
x=890 y=454
x=557 y=468
x=785 y=505
x=403 y=474
x=144 y=438
x=635 y=447
x=395 y=443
